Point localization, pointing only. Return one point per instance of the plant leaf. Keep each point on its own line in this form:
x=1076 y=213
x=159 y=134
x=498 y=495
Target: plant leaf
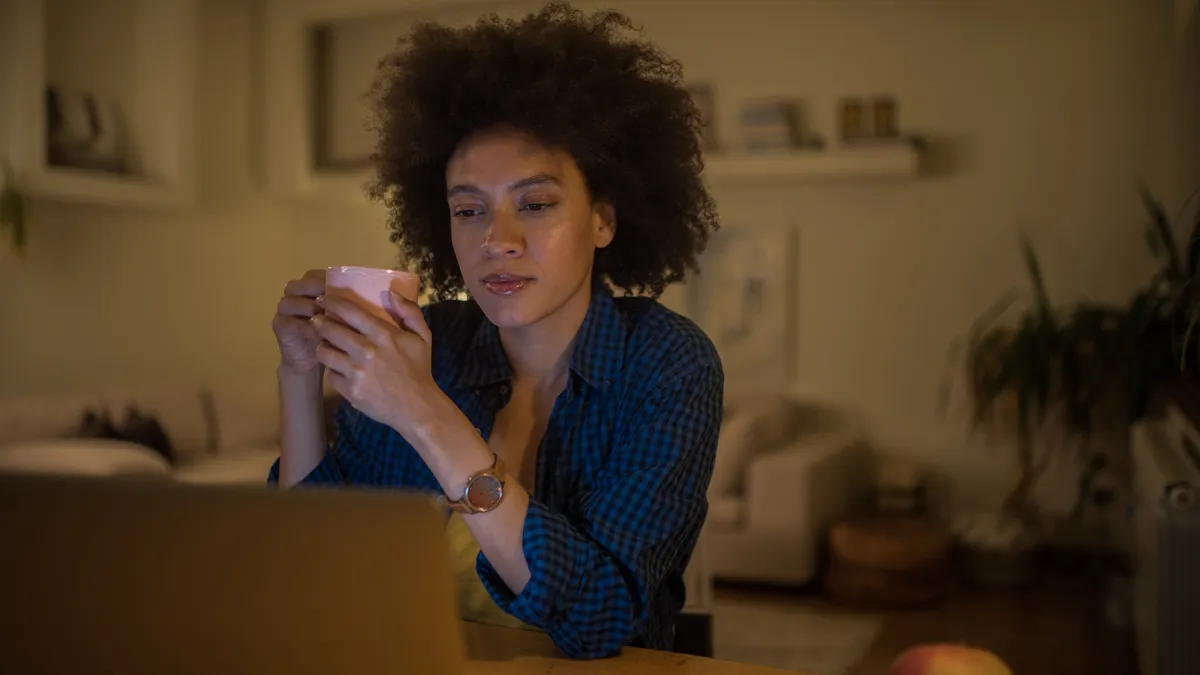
x=1193 y=245
x=1034 y=268
x=946 y=386
x=12 y=215
x=1154 y=242
x=1187 y=339
x=991 y=315
x=1161 y=225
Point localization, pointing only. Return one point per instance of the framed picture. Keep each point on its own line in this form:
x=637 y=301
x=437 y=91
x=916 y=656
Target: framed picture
x=745 y=300
x=85 y=131
x=853 y=119
x=770 y=125
x=705 y=100
x=885 y=117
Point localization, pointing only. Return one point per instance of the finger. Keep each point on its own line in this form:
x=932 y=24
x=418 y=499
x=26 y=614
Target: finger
x=353 y=314
x=310 y=285
x=339 y=335
x=408 y=314
x=301 y=326
x=334 y=359
x=295 y=305
x=338 y=383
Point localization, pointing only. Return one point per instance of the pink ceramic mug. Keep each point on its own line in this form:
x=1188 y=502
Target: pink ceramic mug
x=370 y=286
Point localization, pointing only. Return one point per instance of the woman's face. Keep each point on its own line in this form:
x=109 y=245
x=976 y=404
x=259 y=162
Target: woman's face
x=524 y=227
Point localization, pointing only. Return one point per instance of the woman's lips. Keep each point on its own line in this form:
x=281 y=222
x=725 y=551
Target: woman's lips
x=504 y=284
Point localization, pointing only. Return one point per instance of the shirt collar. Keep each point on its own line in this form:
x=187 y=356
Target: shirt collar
x=596 y=357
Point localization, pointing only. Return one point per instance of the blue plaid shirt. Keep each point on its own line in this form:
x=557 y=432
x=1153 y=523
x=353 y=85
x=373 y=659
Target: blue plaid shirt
x=622 y=471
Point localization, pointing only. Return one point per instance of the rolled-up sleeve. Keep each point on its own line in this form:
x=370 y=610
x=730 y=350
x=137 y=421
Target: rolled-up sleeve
x=592 y=579
x=345 y=463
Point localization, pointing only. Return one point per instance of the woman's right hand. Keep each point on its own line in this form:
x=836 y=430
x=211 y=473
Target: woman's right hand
x=294 y=332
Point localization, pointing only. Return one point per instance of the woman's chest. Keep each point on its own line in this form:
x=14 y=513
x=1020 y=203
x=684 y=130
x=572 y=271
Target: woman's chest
x=561 y=446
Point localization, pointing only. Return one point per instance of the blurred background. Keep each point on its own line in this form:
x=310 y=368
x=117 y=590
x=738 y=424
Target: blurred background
x=885 y=171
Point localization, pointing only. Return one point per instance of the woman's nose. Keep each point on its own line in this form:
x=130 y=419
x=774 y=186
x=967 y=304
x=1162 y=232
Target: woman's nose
x=504 y=237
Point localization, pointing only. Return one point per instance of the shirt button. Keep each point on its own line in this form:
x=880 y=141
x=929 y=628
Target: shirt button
x=505 y=390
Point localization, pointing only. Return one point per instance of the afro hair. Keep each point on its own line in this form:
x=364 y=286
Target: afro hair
x=584 y=84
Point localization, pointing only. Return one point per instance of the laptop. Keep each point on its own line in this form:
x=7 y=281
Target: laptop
x=142 y=576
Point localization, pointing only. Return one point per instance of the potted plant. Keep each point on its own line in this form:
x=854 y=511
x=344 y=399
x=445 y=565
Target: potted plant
x=12 y=211
x=1066 y=383
x=1179 y=266
x=1016 y=377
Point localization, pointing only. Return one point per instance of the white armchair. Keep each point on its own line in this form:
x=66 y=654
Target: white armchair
x=785 y=471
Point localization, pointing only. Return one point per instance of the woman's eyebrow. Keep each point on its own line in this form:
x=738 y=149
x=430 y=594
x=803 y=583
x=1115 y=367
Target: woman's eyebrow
x=463 y=189
x=538 y=179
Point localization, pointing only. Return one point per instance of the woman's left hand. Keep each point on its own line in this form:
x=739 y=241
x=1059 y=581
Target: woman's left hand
x=383 y=370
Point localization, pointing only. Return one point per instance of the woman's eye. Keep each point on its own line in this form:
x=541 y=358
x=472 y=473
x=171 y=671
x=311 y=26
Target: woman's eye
x=466 y=213
x=537 y=206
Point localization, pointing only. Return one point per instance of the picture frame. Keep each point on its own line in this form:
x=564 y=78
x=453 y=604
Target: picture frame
x=770 y=125
x=705 y=100
x=884 y=117
x=852 y=118
x=745 y=299
x=85 y=131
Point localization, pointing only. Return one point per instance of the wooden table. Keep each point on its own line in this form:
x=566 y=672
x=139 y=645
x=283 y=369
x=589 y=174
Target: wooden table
x=510 y=651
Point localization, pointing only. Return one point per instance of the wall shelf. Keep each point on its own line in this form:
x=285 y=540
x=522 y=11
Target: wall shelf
x=868 y=162
x=848 y=165
x=72 y=185
x=136 y=55
x=291 y=147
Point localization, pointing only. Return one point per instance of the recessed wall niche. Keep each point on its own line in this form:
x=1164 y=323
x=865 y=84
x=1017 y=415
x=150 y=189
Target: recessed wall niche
x=343 y=67
x=343 y=70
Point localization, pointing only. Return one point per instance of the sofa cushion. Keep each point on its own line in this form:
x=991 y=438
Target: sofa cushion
x=97 y=423
x=754 y=424
x=775 y=418
x=181 y=412
x=246 y=416
x=83 y=456
x=39 y=417
x=143 y=429
x=734 y=446
x=242 y=466
x=726 y=512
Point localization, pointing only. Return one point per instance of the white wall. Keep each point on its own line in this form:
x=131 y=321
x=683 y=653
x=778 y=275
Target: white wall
x=1185 y=60
x=112 y=297
x=1042 y=115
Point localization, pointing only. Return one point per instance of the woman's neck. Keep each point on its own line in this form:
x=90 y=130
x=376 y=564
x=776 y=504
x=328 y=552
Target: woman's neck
x=541 y=352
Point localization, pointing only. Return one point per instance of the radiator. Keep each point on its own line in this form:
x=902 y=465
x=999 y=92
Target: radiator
x=1167 y=545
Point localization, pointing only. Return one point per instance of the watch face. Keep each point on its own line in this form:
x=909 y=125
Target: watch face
x=484 y=493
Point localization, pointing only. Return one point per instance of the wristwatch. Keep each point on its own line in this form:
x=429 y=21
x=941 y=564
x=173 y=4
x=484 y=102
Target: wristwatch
x=484 y=490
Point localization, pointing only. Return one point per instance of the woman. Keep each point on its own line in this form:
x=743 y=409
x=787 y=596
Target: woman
x=535 y=165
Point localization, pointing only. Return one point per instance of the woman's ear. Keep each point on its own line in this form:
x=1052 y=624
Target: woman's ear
x=604 y=224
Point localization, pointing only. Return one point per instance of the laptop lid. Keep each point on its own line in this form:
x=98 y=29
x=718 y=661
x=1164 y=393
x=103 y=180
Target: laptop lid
x=145 y=576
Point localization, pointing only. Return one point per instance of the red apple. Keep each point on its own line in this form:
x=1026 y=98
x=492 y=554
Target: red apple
x=948 y=660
